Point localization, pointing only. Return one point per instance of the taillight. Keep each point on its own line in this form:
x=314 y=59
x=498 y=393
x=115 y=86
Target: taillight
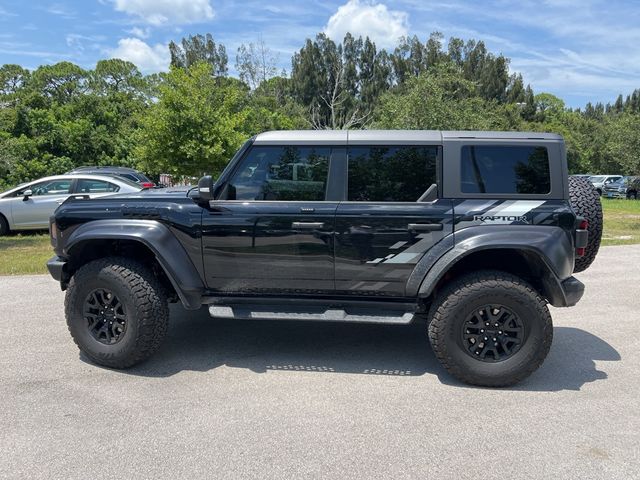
x=582 y=237
x=148 y=184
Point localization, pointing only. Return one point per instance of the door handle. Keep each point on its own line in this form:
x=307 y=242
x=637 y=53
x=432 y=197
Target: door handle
x=307 y=225
x=424 y=227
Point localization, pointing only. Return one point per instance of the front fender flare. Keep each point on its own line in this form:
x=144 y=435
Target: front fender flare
x=156 y=236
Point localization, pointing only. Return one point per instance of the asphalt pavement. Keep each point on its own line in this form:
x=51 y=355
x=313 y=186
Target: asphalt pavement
x=228 y=399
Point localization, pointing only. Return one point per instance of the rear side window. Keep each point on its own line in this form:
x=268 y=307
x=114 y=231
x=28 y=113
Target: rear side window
x=281 y=173
x=130 y=176
x=96 y=186
x=391 y=173
x=505 y=169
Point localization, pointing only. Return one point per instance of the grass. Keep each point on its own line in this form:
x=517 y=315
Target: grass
x=27 y=253
x=621 y=222
x=24 y=253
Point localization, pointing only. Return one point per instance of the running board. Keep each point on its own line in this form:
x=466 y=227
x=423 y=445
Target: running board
x=314 y=313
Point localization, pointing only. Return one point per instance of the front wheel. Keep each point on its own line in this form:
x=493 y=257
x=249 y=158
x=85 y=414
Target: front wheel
x=490 y=328
x=632 y=195
x=116 y=311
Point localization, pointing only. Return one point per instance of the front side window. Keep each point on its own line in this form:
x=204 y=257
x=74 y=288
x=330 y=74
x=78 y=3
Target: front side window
x=96 y=186
x=293 y=173
x=505 y=169
x=391 y=173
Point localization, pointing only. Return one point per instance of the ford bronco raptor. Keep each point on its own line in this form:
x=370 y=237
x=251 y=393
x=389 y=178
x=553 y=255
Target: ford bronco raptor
x=472 y=232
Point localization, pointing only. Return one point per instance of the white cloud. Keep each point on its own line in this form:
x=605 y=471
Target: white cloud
x=79 y=43
x=61 y=10
x=140 y=32
x=366 y=18
x=147 y=58
x=162 y=12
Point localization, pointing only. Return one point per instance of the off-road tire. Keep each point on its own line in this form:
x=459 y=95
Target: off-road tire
x=633 y=195
x=585 y=202
x=461 y=298
x=4 y=226
x=143 y=299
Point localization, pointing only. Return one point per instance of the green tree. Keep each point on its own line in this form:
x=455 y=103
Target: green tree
x=60 y=82
x=441 y=100
x=200 y=48
x=256 y=63
x=198 y=122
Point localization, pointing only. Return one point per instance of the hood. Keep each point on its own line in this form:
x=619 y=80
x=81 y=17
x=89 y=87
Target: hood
x=155 y=193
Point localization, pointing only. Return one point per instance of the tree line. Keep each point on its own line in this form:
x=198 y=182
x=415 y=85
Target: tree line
x=192 y=119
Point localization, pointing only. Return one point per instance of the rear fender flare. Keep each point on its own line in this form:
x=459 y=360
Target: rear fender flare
x=551 y=246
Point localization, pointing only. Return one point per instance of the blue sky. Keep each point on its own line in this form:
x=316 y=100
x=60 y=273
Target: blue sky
x=580 y=50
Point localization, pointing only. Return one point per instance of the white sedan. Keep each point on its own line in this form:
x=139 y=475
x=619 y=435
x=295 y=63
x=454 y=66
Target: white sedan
x=29 y=206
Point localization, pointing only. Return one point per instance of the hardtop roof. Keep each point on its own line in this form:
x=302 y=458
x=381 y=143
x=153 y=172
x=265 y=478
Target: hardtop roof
x=391 y=136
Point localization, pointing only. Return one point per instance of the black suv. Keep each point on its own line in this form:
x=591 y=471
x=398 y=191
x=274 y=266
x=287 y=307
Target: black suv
x=471 y=232
x=124 y=172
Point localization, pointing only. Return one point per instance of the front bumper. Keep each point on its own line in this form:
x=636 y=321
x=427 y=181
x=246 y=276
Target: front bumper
x=614 y=194
x=56 y=267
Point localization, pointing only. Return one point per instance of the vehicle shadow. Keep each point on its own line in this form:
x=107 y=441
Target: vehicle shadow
x=197 y=342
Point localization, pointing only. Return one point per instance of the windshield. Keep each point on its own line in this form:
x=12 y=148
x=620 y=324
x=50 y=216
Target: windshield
x=597 y=179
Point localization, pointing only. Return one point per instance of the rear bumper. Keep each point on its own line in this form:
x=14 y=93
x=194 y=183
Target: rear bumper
x=56 y=267
x=573 y=289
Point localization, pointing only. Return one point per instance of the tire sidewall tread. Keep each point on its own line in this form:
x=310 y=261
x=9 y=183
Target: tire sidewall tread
x=450 y=310
x=585 y=202
x=145 y=304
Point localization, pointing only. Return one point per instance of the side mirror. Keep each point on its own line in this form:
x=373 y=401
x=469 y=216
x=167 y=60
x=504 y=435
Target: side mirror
x=26 y=195
x=205 y=188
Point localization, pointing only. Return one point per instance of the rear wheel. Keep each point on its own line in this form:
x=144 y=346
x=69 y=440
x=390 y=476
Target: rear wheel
x=490 y=328
x=116 y=311
x=585 y=202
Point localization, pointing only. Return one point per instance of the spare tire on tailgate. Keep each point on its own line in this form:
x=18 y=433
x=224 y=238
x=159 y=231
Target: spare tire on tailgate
x=585 y=202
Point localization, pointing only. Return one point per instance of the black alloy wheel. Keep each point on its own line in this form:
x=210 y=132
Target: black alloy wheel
x=105 y=316
x=492 y=333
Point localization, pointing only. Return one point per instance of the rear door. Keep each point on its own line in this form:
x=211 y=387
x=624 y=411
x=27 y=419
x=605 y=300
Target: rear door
x=271 y=230
x=382 y=230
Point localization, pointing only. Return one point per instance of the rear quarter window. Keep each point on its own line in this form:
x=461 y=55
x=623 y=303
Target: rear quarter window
x=505 y=169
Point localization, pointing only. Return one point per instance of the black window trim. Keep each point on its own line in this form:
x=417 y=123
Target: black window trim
x=439 y=156
x=473 y=146
x=451 y=166
x=336 y=150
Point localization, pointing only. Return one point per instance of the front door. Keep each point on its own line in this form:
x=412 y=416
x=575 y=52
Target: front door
x=272 y=230
x=34 y=211
x=382 y=231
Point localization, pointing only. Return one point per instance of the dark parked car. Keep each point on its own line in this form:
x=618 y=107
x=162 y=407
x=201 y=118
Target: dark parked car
x=626 y=187
x=474 y=233
x=124 y=172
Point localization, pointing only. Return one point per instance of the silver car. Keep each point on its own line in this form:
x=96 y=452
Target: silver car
x=29 y=206
x=601 y=181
